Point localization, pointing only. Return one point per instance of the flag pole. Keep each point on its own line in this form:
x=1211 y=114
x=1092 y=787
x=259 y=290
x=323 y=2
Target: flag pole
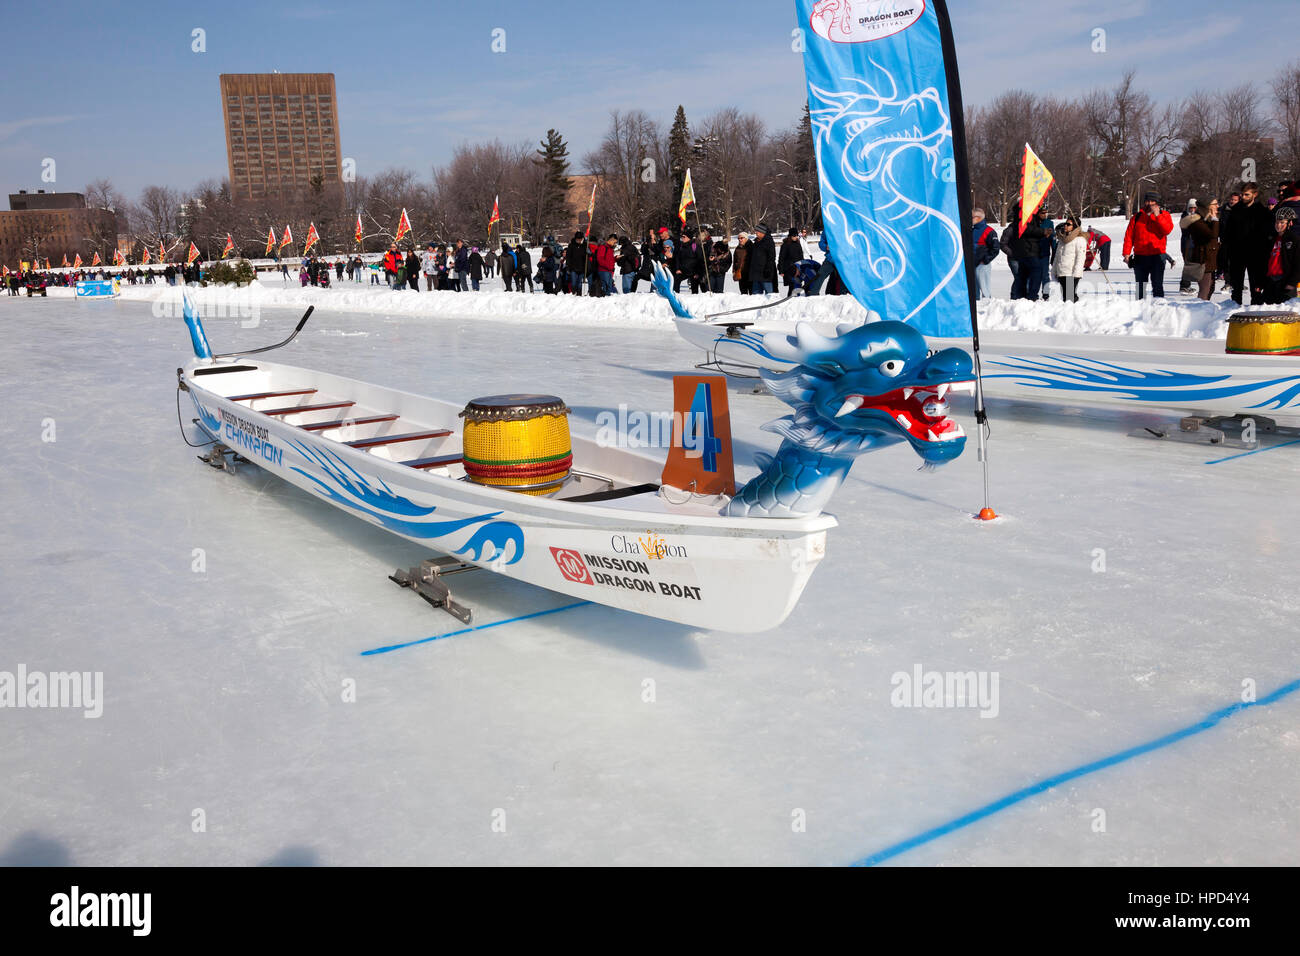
x=965 y=204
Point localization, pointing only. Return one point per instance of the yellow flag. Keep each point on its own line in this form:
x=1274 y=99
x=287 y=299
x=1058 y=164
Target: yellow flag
x=1035 y=182
x=688 y=197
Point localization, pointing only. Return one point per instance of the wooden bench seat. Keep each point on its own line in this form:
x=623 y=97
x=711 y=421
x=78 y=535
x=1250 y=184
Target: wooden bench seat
x=253 y=396
x=434 y=462
x=344 y=422
x=394 y=439
x=294 y=409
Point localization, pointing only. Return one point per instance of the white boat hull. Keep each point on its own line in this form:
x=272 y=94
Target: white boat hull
x=640 y=553
x=1194 y=376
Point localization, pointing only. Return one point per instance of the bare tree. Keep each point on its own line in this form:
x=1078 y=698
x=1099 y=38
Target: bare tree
x=1134 y=138
x=631 y=163
x=1286 y=99
x=478 y=175
x=156 y=217
x=35 y=229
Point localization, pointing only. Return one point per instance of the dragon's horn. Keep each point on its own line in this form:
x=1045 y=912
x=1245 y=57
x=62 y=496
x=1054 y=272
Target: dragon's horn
x=810 y=340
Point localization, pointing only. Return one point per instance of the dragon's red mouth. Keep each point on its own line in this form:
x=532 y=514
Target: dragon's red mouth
x=920 y=410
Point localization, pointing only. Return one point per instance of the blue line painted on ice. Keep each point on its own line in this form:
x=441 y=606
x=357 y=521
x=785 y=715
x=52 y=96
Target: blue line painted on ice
x=476 y=627
x=1215 y=461
x=1054 y=781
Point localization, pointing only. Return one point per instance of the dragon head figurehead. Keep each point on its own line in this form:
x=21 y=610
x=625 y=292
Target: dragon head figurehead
x=869 y=387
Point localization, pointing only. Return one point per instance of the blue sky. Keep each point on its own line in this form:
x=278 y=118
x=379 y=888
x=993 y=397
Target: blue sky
x=120 y=94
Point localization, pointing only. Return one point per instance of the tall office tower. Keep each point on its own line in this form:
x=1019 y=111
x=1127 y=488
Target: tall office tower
x=282 y=130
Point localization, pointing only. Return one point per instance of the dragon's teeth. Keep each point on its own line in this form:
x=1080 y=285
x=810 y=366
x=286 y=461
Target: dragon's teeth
x=943 y=390
x=903 y=420
x=851 y=404
x=932 y=435
x=907 y=393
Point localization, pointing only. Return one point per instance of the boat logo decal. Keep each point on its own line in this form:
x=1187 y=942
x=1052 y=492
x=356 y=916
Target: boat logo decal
x=631 y=576
x=571 y=565
x=652 y=545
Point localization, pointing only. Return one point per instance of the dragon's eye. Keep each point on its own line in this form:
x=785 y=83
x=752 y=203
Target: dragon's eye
x=891 y=368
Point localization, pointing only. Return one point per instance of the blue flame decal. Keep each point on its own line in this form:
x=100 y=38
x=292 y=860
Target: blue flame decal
x=344 y=485
x=497 y=534
x=1073 y=373
x=211 y=422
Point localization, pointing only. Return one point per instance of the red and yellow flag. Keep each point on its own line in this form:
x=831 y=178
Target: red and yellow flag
x=95 y=260
x=1035 y=183
x=47 y=262
x=162 y=251
x=230 y=246
x=688 y=197
x=65 y=260
x=591 y=210
x=118 y=258
x=144 y=259
x=270 y=240
x=357 y=235
x=403 y=226
x=312 y=238
x=76 y=263
x=286 y=238
x=194 y=254
x=496 y=213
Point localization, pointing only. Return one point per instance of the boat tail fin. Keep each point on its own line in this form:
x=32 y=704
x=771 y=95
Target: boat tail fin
x=700 y=457
x=198 y=338
x=663 y=284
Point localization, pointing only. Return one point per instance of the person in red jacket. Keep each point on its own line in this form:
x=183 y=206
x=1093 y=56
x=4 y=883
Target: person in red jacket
x=605 y=260
x=1144 y=245
x=1282 y=267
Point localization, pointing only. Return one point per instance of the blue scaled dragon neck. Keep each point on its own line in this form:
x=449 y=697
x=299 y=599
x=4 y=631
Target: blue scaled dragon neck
x=867 y=388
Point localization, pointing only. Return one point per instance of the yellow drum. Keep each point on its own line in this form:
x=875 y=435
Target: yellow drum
x=1264 y=333
x=519 y=442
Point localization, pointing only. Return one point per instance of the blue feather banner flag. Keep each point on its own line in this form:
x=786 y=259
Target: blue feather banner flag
x=884 y=100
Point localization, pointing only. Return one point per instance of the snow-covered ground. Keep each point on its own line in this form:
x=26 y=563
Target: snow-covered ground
x=1133 y=590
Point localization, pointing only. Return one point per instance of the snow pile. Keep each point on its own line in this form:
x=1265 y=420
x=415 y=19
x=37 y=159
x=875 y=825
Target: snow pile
x=1099 y=311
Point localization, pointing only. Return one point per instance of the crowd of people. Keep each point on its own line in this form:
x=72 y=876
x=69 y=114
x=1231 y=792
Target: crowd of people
x=694 y=259
x=1249 y=245
x=36 y=281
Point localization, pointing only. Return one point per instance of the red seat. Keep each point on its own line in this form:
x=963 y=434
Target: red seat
x=394 y=439
x=251 y=396
x=342 y=422
x=294 y=409
x=433 y=462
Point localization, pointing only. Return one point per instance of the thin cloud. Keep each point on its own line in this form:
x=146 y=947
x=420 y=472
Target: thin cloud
x=10 y=127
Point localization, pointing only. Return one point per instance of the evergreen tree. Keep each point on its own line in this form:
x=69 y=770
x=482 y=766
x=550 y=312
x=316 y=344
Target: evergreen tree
x=679 y=155
x=553 y=157
x=805 y=168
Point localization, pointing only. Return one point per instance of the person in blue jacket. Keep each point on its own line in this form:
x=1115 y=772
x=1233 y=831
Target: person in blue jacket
x=1046 y=250
x=984 y=248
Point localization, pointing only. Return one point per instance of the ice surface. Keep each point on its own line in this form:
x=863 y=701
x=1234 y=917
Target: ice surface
x=224 y=686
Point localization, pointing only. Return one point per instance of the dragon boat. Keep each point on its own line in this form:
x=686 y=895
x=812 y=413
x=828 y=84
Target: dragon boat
x=590 y=520
x=1194 y=376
